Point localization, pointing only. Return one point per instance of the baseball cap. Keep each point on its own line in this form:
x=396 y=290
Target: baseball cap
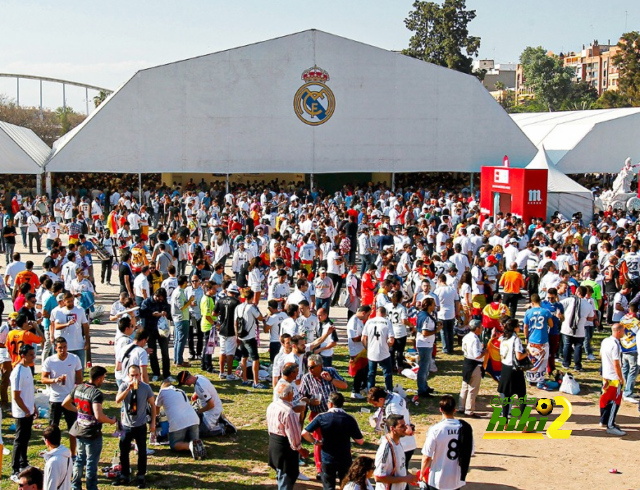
x=233 y=289
x=13 y=315
x=60 y=297
x=322 y=269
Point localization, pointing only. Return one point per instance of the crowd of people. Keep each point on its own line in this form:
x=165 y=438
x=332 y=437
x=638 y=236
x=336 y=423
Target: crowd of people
x=421 y=273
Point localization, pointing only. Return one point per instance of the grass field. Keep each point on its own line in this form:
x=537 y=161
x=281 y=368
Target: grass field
x=240 y=461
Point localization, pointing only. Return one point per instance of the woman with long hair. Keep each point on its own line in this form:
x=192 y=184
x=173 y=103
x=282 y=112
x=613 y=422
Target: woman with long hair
x=359 y=475
x=464 y=291
x=512 y=381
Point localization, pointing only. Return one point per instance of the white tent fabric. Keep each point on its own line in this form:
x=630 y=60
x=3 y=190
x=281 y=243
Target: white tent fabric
x=21 y=150
x=233 y=112
x=563 y=193
x=585 y=141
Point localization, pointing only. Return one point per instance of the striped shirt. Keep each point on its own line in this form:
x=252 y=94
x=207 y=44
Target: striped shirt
x=283 y=421
x=312 y=386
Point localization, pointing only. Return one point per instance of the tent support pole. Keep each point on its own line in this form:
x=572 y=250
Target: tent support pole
x=311 y=181
x=393 y=181
x=471 y=186
x=227 y=183
x=48 y=186
x=140 y=189
x=39 y=184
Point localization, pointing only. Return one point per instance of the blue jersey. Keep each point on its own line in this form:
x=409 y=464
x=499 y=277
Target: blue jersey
x=537 y=319
x=553 y=307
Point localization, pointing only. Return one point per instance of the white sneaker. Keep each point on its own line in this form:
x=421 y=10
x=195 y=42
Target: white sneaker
x=15 y=478
x=222 y=376
x=629 y=399
x=303 y=477
x=194 y=450
x=232 y=377
x=614 y=431
x=357 y=396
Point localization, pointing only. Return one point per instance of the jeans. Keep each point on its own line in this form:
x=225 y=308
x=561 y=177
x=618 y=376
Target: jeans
x=180 y=341
x=365 y=260
x=196 y=337
x=629 y=372
x=332 y=470
x=337 y=285
x=156 y=340
x=397 y=352
x=446 y=335
x=105 y=272
x=81 y=354
x=323 y=303
x=23 y=232
x=46 y=350
x=88 y=455
x=424 y=363
x=588 y=330
x=139 y=434
x=284 y=481
x=34 y=236
x=8 y=251
x=387 y=372
x=577 y=343
x=19 y=460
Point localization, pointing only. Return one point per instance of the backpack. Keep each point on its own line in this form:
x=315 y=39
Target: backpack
x=23 y=219
x=241 y=322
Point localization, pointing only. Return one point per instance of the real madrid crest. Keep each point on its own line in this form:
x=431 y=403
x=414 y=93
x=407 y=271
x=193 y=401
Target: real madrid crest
x=314 y=102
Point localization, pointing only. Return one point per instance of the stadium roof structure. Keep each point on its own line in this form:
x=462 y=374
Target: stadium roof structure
x=21 y=150
x=310 y=102
x=585 y=141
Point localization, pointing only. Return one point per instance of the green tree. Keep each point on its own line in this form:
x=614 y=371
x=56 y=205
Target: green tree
x=582 y=97
x=441 y=34
x=100 y=98
x=628 y=62
x=550 y=81
x=610 y=99
x=68 y=119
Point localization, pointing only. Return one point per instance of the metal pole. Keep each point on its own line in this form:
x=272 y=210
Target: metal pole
x=227 y=183
x=139 y=188
x=41 y=113
x=64 y=98
x=18 y=92
x=311 y=181
x=471 y=184
x=39 y=184
x=48 y=186
x=86 y=96
x=393 y=181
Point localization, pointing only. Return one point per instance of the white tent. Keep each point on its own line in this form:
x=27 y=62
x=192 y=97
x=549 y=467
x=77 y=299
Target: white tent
x=563 y=193
x=240 y=111
x=585 y=141
x=21 y=150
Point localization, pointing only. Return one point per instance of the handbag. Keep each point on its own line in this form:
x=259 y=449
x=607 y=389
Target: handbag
x=164 y=329
x=520 y=364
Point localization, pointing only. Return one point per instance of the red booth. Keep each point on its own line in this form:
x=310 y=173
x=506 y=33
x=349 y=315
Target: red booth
x=519 y=191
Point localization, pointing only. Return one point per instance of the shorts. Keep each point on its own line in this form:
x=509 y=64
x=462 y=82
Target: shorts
x=227 y=346
x=187 y=434
x=256 y=288
x=56 y=411
x=249 y=348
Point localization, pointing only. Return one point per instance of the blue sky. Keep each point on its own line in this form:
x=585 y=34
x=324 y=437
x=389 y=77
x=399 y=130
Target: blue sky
x=105 y=43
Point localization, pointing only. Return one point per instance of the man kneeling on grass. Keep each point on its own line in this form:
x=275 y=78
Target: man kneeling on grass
x=183 y=420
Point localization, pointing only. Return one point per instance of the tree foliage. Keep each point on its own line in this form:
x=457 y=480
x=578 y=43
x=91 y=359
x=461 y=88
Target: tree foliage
x=441 y=34
x=546 y=77
x=100 y=98
x=628 y=62
x=49 y=125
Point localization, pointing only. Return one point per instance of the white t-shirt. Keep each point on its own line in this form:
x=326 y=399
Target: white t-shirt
x=121 y=342
x=506 y=349
x=378 y=330
x=354 y=329
x=332 y=266
x=290 y=326
x=309 y=327
x=610 y=351
x=53 y=230
x=275 y=322
x=33 y=222
x=250 y=313
x=140 y=284
x=586 y=310
x=395 y=404
x=205 y=391
x=177 y=407
x=447 y=297
x=384 y=463
x=137 y=357
x=441 y=446
x=397 y=315
x=72 y=333
x=22 y=381
x=4 y=333
x=57 y=367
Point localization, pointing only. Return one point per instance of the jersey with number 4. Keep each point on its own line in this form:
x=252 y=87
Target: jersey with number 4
x=443 y=448
x=378 y=330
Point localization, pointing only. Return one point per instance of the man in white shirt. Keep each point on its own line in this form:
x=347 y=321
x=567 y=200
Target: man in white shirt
x=357 y=351
x=613 y=381
x=209 y=405
x=71 y=323
x=61 y=372
x=23 y=408
x=247 y=317
x=184 y=433
x=449 y=304
x=377 y=338
x=13 y=269
x=390 y=469
x=471 y=369
x=440 y=455
x=577 y=311
x=135 y=354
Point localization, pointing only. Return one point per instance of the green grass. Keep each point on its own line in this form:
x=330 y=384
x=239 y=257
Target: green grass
x=240 y=461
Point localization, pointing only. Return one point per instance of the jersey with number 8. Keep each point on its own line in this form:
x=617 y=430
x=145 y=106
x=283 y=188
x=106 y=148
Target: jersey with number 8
x=442 y=447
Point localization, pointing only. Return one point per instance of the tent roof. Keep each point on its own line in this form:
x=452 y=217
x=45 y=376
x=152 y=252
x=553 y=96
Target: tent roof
x=585 y=141
x=557 y=181
x=21 y=150
x=234 y=112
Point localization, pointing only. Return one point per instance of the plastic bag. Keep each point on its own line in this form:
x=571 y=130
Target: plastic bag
x=344 y=298
x=409 y=373
x=163 y=327
x=569 y=385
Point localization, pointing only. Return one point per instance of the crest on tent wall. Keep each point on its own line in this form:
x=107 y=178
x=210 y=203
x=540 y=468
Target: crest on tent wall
x=314 y=102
